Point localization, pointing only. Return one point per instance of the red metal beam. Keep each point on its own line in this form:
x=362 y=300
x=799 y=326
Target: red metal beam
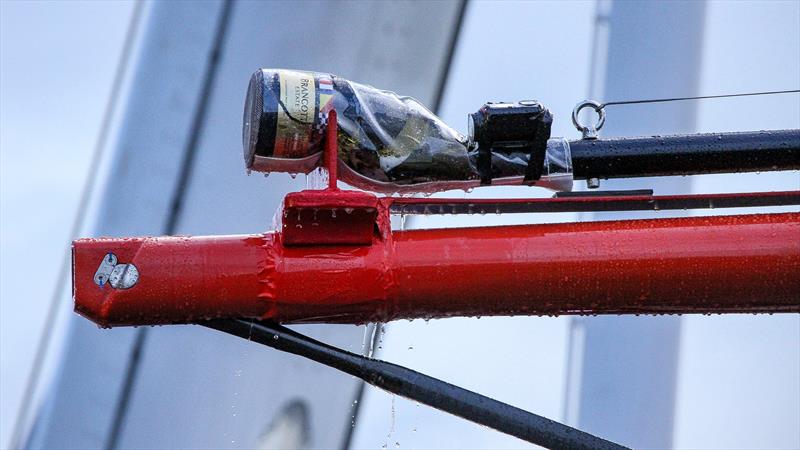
x=745 y=263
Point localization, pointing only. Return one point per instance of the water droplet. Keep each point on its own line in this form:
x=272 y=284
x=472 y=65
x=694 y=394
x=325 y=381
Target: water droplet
x=372 y=339
x=364 y=340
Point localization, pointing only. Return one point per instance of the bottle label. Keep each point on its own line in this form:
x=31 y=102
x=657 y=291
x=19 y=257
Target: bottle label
x=297 y=112
x=326 y=92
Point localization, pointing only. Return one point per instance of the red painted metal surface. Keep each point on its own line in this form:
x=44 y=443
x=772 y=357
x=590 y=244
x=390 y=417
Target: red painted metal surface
x=332 y=149
x=747 y=263
x=179 y=278
x=329 y=216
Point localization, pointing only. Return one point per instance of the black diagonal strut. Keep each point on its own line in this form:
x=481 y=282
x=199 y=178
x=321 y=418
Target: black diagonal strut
x=422 y=388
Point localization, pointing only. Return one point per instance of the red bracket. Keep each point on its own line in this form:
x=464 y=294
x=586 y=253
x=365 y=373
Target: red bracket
x=329 y=216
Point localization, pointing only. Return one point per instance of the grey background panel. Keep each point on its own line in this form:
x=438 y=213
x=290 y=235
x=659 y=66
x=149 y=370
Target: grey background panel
x=197 y=388
x=654 y=51
x=628 y=365
x=79 y=410
x=178 y=39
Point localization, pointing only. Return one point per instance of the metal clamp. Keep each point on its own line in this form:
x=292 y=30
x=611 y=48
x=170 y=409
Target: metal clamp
x=119 y=276
x=589 y=132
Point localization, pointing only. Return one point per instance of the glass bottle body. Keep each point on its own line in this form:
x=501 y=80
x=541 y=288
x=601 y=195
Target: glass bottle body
x=387 y=142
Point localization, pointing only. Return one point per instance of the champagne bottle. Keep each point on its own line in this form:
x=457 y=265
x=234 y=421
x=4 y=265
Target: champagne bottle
x=387 y=143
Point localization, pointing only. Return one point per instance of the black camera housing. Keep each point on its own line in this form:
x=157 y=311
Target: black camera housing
x=504 y=127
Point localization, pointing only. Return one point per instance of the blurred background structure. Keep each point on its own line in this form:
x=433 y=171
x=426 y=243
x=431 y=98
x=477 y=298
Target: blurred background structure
x=124 y=118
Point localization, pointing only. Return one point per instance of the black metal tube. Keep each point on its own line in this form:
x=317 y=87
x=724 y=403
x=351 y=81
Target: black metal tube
x=422 y=388
x=689 y=154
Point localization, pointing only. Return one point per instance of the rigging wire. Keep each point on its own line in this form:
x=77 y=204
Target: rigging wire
x=701 y=97
x=590 y=131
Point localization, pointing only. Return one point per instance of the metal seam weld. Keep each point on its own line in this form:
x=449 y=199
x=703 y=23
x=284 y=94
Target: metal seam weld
x=267 y=275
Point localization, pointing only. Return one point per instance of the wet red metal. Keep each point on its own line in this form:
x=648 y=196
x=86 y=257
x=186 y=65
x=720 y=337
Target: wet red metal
x=331 y=149
x=330 y=216
x=179 y=278
x=337 y=260
x=747 y=263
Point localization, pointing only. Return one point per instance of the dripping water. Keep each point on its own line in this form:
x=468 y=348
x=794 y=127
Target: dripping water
x=238 y=374
x=391 y=426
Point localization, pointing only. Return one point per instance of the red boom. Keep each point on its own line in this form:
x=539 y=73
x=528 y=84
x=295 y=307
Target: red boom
x=748 y=263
